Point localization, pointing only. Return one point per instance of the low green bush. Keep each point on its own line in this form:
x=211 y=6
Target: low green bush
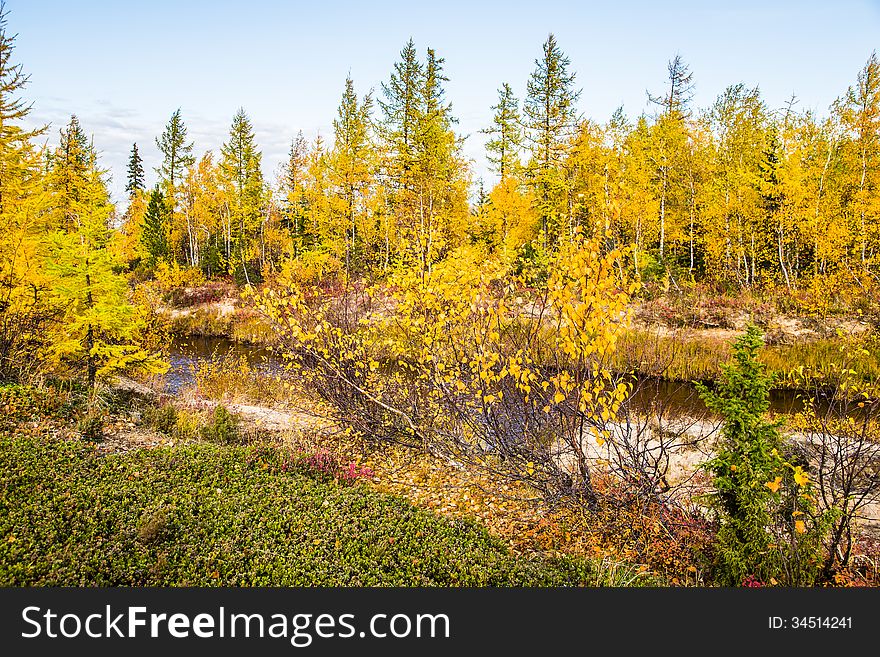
x=208 y=515
x=19 y=403
x=222 y=428
x=161 y=418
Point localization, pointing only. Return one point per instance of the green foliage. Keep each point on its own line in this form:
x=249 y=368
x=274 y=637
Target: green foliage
x=161 y=418
x=223 y=427
x=206 y=515
x=135 y=181
x=242 y=179
x=19 y=403
x=503 y=147
x=532 y=262
x=154 y=237
x=176 y=153
x=768 y=527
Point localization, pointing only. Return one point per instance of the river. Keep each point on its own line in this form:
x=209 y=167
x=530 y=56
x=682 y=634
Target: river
x=679 y=397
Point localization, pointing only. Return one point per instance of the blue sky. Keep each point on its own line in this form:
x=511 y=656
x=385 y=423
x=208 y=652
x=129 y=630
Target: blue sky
x=124 y=67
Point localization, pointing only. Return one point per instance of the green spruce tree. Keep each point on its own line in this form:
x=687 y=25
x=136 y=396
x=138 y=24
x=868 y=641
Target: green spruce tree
x=154 y=235
x=769 y=529
x=135 y=180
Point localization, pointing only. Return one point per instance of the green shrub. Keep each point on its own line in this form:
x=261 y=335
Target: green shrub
x=769 y=530
x=161 y=418
x=19 y=403
x=208 y=515
x=223 y=428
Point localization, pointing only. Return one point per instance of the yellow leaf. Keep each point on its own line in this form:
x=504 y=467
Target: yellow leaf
x=558 y=397
x=800 y=527
x=800 y=477
x=774 y=485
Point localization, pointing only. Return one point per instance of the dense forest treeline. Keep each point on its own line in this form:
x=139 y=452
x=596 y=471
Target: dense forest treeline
x=737 y=196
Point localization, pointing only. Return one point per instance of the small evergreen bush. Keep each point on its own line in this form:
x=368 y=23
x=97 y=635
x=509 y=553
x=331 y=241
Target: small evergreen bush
x=769 y=529
x=223 y=427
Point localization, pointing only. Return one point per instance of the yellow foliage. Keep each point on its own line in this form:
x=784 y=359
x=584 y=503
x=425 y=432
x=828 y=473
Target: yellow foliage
x=171 y=276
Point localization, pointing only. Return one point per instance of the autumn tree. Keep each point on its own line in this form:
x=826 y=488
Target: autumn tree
x=351 y=165
x=550 y=117
x=240 y=167
x=99 y=329
x=505 y=134
x=25 y=309
x=670 y=134
x=733 y=214
x=639 y=209
x=859 y=112
x=426 y=176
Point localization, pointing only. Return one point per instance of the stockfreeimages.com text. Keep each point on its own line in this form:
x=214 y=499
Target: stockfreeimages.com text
x=300 y=629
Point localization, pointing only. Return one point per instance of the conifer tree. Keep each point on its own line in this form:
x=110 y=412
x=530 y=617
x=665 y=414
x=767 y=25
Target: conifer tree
x=675 y=101
x=759 y=496
x=24 y=308
x=99 y=329
x=154 y=234
x=505 y=134
x=438 y=200
x=293 y=181
x=550 y=121
x=772 y=200
x=240 y=167
x=12 y=79
x=176 y=152
x=401 y=110
x=135 y=181
x=177 y=156
x=351 y=164
x=69 y=173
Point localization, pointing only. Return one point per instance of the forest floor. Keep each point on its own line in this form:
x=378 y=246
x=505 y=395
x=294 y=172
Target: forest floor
x=511 y=512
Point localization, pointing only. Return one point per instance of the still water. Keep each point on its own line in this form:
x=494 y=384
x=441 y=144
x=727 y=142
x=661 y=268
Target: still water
x=678 y=397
